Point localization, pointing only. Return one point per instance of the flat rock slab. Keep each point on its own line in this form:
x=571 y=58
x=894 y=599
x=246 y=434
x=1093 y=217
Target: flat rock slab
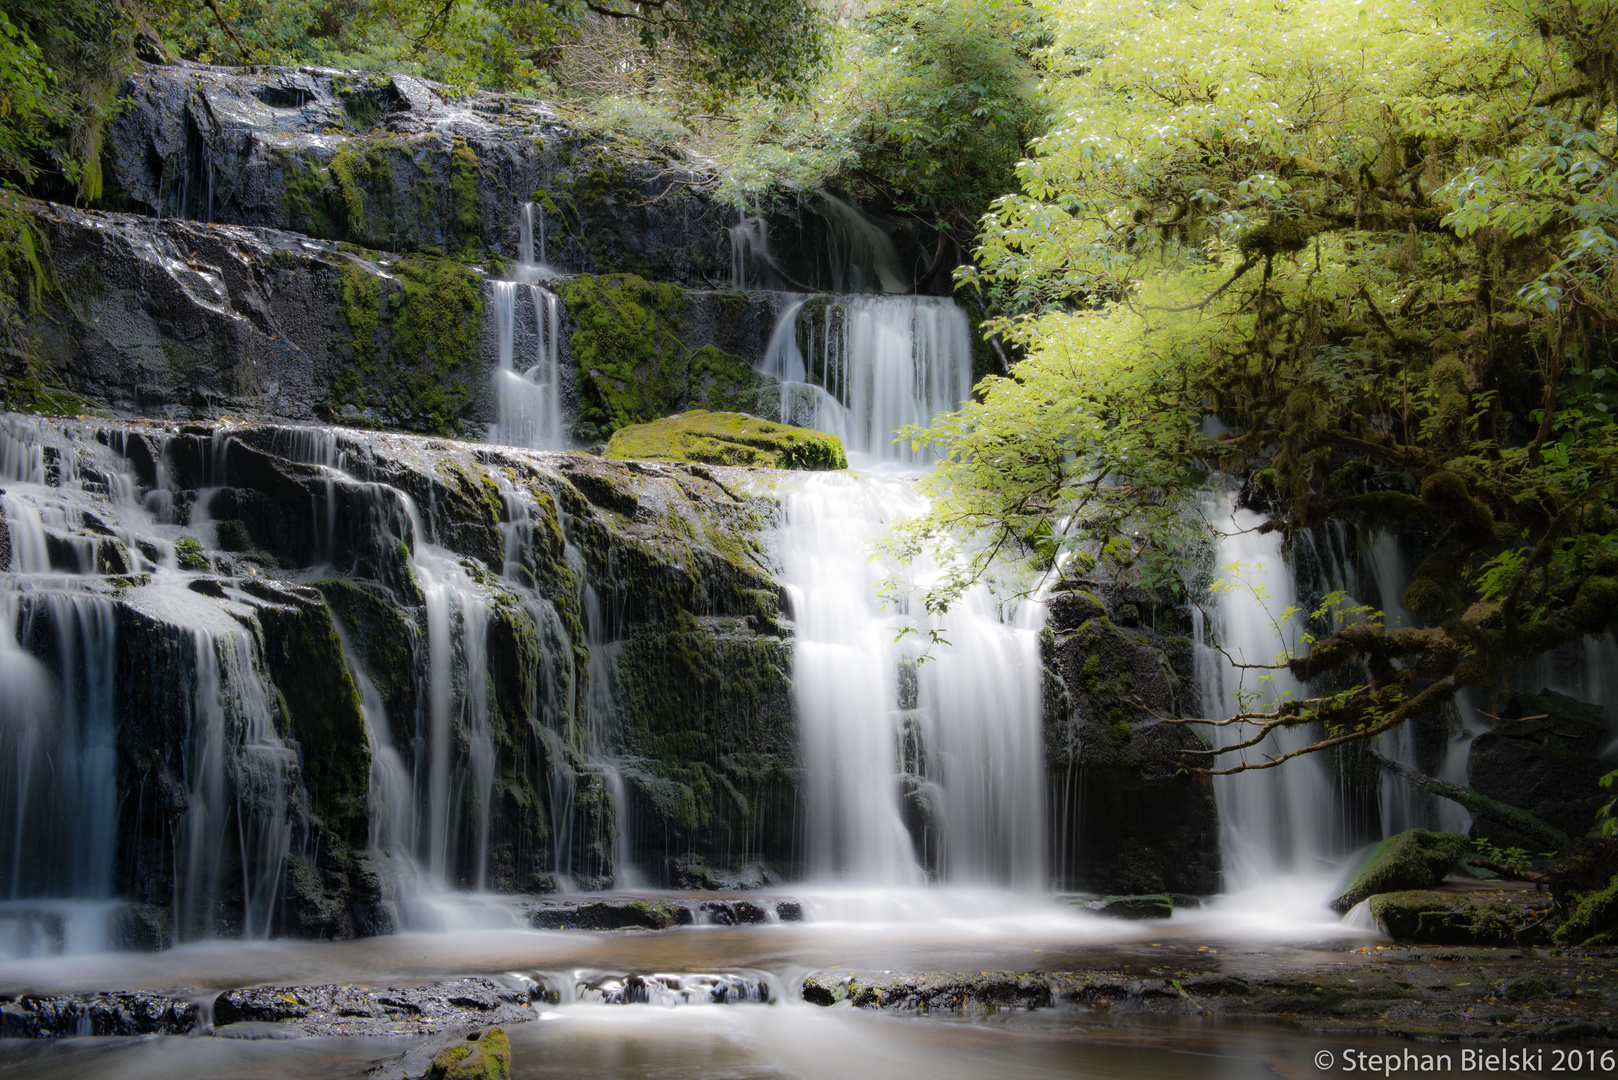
x=1470 y=993
x=376 y=1010
x=658 y=914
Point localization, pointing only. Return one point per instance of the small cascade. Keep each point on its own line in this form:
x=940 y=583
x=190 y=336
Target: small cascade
x=238 y=774
x=531 y=261
x=1272 y=821
x=865 y=367
x=528 y=378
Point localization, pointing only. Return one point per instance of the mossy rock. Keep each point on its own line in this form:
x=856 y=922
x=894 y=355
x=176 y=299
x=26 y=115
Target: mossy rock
x=480 y=1056
x=1429 y=917
x=1413 y=859
x=728 y=439
x=1593 y=920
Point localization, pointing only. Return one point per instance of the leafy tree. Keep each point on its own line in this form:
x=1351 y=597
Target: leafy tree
x=1377 y=245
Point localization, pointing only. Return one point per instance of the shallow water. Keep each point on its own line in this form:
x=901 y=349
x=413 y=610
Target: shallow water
x=892 y=930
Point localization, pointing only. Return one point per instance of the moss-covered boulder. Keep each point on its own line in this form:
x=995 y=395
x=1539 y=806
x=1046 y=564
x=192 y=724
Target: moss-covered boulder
x=1413 y=859
x=728 y=439
x=1432 y=917
x=1593 y=919
x=484 y=1055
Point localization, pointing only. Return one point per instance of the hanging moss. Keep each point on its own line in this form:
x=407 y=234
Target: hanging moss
x=27 y=383
x=436 y=343
x=464 y=187
x=630 y=359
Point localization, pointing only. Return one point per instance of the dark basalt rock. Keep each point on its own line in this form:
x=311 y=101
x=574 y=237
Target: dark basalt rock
x=128 y=1012
x=930 y=991
x=396 y=164
x=1458 y=993
x=1543 y=756
x=376 y=1010
x=617 y=914
x=1126 y=907
x=1123 y=819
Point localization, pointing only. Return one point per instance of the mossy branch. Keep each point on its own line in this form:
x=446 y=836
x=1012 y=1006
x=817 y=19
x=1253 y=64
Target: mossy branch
x=1477 y=804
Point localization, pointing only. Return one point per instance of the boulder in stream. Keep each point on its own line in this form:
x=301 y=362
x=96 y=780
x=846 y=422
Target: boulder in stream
x=1543 y=756
x=1413 y=859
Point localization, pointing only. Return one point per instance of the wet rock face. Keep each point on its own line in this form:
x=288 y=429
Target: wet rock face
x=1543 y=756
x=657 y=914
x=1122 y=820
x=390 y=163
x=384 y=1010
x=339 y=590
x=132 y=1012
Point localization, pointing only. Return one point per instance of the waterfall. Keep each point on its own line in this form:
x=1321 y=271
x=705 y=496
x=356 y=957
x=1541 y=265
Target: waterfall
x=911 y=767
x=1272 y=821
x=916 y=766
x=864 y=367
x=850 y=254
x=528 y=391
x=238 y=774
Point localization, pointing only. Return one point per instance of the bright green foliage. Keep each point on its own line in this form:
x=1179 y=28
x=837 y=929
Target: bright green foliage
x=947 y=103
x=927 y=106
x=61 y=64
x=1377 y=243
x=728 y=439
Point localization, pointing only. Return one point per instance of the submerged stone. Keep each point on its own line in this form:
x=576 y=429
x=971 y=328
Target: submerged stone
x=1156 y=906
x=729 y=439
x=1413 y=859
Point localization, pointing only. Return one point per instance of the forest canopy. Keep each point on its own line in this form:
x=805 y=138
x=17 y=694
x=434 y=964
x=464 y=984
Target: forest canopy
x=1360 y=254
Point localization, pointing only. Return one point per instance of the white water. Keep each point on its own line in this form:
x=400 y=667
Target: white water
x=528 y=378
x=848 y=253
x=865 y=367
x=1279 y=821
x=60 y=789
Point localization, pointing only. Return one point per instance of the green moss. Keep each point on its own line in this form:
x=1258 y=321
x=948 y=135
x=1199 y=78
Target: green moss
x=464 y=189
x=728 y=439
x=1413 y=859
x=435 y=343
x=1442 y=918
x=1593 y=920
x=188 y=553
x=304 y=196
x=359 y=305
x=482 y=1056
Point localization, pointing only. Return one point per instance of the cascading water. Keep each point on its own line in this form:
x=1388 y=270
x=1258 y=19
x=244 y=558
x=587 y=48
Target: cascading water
x=62 y=699
x=864 y=367
x=528 y=391
x=1273 y=821
x=913 y=768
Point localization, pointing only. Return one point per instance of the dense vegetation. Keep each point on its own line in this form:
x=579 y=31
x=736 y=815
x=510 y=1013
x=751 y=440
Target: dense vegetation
x=1360 y=256
x=1373 y=248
